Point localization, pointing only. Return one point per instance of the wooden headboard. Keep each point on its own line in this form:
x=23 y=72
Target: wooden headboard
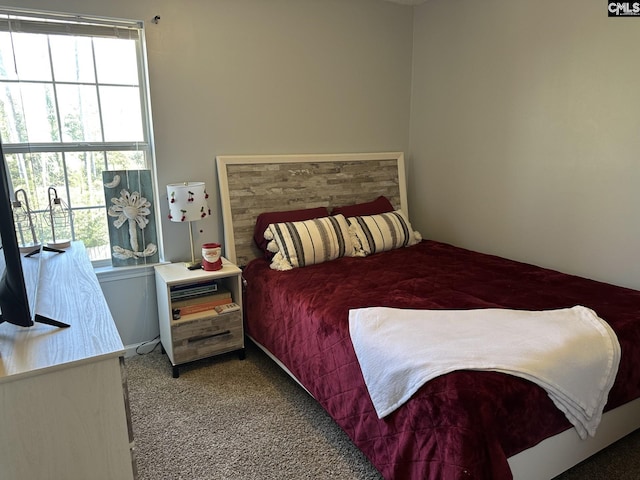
x=250 y=185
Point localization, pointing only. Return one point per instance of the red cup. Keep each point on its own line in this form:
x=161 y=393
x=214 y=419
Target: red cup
x=211 y=253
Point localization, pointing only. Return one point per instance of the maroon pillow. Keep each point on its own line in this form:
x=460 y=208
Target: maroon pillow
x=375 y=207
x=264 y=219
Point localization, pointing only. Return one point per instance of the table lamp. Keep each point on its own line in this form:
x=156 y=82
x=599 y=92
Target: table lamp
x=188 y=203
x=23 y=220
x=58 y=217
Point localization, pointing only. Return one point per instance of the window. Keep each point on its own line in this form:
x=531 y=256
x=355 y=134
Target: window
x=73 y=103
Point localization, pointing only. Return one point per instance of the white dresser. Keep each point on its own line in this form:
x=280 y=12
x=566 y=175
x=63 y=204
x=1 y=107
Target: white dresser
x=63 y=396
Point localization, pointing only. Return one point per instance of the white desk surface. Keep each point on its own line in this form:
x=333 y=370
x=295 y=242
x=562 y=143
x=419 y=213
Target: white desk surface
x=68 y=291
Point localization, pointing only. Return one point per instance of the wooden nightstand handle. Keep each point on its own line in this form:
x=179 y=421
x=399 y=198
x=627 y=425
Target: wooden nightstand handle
x=204 y=337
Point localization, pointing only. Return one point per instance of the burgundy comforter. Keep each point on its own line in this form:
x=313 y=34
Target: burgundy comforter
x=461 y=425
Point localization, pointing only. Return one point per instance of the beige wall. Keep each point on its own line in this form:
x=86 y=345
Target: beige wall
x=264 y=76
x=525 y=133
x=524 y=121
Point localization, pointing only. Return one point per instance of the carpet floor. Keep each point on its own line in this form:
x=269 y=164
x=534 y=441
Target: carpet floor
x=226 y=419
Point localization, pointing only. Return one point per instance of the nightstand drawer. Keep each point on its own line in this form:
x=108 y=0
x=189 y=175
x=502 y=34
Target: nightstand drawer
x=204 y=325
x=207 y=336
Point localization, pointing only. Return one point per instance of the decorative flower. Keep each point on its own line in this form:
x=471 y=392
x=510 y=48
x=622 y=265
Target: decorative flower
x=133 y=209
x=124 y=254
x=115 y=181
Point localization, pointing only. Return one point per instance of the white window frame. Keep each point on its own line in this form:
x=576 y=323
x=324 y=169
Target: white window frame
x=42 y=22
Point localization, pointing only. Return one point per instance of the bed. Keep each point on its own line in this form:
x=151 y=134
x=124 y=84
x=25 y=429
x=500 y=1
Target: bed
x=464 y=424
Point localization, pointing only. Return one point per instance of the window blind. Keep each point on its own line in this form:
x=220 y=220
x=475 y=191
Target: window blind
x=69 y=25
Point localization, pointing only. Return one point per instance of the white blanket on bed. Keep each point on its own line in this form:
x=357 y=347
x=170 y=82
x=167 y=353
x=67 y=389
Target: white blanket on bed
x=572 y=353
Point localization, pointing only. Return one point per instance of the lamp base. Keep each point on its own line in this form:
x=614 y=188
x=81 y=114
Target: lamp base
x=193 y=265
x=29 y=247
x=59 y=244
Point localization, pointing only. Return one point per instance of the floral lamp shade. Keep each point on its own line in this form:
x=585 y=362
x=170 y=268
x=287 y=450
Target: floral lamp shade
x=187 y=201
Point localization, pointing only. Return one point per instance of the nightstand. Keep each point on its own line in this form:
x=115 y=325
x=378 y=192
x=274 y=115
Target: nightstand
x=194 y=312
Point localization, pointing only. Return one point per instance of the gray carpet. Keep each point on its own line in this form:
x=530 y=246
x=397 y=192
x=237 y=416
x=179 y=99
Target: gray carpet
x=226 y=419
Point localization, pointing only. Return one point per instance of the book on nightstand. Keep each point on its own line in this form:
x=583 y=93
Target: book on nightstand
x=221 y=294
x=192 y=290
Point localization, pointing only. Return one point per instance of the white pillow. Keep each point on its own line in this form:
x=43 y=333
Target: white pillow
x=379 y=233
x=297 y=244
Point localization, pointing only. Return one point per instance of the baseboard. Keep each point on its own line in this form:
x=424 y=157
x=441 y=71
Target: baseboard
x=140 y=348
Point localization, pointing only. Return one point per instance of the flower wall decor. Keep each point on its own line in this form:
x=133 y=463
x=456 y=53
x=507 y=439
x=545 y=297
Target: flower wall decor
x=131 y=218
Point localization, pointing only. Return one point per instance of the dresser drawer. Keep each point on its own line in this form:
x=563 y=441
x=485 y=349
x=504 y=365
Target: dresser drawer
x=204 y=337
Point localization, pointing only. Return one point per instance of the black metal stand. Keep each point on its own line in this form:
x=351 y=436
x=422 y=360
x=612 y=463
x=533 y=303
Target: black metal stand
x=46 y=320
x=41 y=318
x=50 y=321
x=44 y=248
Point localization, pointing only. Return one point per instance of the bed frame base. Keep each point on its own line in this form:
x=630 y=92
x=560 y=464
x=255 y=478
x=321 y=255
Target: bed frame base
x=556 y=454
x=279 y=363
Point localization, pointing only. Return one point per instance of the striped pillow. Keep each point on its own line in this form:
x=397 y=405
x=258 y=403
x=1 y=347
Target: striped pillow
x=379 y=233
x=297 y=244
